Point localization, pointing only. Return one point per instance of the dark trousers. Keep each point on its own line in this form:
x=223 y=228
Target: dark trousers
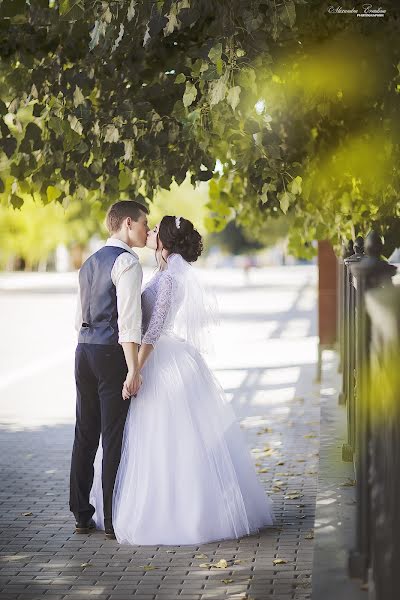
x=100 y=372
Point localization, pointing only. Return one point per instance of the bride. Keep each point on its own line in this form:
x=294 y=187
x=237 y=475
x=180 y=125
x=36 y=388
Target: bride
x=186 y=475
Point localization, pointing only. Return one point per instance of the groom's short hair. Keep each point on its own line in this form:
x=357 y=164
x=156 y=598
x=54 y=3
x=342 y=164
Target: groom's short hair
x=121 y=210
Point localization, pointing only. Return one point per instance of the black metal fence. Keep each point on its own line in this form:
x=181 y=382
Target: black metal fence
x=369 y=315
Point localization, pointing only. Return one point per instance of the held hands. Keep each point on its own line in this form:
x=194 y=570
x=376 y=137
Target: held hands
x=131 y=385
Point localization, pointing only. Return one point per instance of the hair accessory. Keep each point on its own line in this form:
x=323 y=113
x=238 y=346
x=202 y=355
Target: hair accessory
x=178 y=222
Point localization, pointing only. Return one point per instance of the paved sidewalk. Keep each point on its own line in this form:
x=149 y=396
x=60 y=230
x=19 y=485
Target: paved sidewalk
x=335 y=519
x=265 y=357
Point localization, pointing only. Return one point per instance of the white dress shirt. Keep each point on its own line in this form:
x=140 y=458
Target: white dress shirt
x=127 y=276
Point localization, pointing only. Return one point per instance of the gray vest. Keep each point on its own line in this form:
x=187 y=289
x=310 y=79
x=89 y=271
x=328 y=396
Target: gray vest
x=99 y=298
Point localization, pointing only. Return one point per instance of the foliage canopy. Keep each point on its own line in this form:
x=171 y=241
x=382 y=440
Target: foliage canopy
x=282 y=106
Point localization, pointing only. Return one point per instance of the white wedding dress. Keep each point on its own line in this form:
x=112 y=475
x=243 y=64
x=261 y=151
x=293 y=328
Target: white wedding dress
x=186 y=475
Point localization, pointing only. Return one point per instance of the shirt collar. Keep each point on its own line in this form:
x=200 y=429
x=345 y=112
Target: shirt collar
x=120 y=244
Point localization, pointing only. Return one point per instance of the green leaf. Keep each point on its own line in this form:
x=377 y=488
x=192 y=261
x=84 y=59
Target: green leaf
x=70 y=138
x=199 y=67
x=98 y=30
x=173 y=22
x=295 y=185
x=285 y=198
x=215 y=53
x=119 y=38
x=111 y=135
x=181 y=78
x=233 y=96
x=204 y=175
x=214 y=224
x=76 y=125
x=220 y=66
x=288 y=13
x=52 y=193
x=124 y=179
x=268 y=187
x=131 y=10
x=217 y=91
x=194 y=115
x=190 y=94
x=79 y=98
x=16 y=202
x=71 y=9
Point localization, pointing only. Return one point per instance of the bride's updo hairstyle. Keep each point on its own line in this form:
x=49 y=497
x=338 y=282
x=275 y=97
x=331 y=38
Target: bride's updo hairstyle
x=184 y=240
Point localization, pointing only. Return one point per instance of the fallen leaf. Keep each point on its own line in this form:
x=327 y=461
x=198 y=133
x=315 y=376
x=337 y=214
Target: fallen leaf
x=279 y=561
x=205 y=565
x=269 y=452
x=238 y=561
x=227 y=581
x=280 y=463
x=148 y=567
x=170 y=551
x=84 y=565
x=300 y=505
x=221 y=564
x=349 y=483
x=293 y=496
x=201 y=556
x=309 y=536
x=310 y=435
x=27 y=514
x=265 y=430
x=264 y=470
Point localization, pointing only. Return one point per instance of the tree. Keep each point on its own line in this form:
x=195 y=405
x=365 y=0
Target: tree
x=110 y=99
x=33 y=232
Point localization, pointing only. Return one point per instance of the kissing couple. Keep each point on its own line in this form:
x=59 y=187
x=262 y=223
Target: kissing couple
x=158 y=456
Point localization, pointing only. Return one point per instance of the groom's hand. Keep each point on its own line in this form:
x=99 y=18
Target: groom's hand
x=132 y=384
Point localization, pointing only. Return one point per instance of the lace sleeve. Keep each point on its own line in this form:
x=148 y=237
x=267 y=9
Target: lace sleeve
x=160 y=311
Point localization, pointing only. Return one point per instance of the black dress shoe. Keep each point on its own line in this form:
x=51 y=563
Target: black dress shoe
x=110 y=533
x=84 y=526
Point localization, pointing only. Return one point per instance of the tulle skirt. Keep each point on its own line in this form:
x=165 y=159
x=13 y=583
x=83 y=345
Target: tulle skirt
x=186 y=475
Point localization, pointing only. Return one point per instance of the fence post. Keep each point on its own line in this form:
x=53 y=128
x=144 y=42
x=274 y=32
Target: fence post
x=349 y=348
x=369 y=272
x=347 y=250
x=383 y=307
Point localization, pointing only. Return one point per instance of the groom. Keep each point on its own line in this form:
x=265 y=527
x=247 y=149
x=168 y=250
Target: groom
x=109 y=321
